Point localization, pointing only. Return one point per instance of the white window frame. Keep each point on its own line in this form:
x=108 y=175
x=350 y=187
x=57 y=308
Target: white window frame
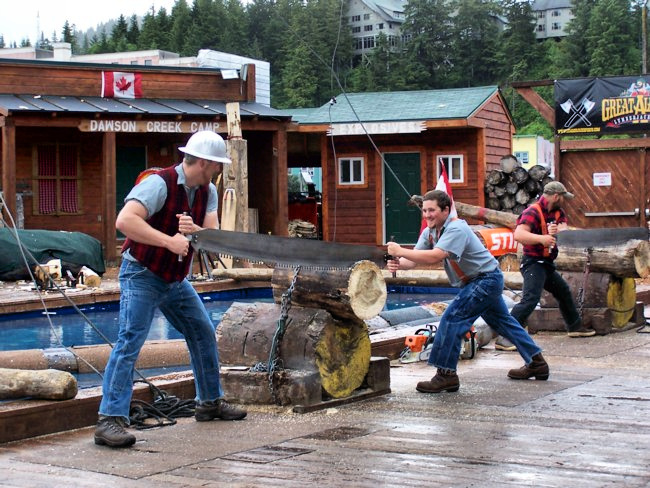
x=452 y=160
x=350 y=161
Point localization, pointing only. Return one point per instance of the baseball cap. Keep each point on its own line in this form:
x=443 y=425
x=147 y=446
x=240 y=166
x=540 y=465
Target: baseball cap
x=557 y=188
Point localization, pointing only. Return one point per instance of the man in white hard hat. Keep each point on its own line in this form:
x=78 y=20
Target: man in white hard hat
x=156 y=259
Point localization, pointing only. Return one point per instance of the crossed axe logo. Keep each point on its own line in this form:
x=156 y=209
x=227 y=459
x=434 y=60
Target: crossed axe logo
x=577 y=112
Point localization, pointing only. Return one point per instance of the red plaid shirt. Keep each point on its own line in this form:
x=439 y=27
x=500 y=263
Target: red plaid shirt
x=530 y=217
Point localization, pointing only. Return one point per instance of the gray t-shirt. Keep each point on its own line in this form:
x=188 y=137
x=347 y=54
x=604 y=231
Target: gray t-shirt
x=152 y=193
x=463 y=246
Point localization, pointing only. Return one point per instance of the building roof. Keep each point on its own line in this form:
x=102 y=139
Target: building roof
x=539 y=5
x=387 y=8
x=158 y=106
x=453 y=103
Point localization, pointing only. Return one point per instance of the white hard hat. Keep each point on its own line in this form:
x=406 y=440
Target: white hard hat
x=206 y=144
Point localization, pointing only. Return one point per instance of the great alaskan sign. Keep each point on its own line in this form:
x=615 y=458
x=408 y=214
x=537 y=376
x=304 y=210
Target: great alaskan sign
x=602 y=105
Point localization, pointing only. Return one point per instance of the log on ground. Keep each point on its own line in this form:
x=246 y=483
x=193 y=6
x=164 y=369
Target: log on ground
x=630 y=260
x=313 y=341
x=357 y=293
x=599 y=290
x=47 y=384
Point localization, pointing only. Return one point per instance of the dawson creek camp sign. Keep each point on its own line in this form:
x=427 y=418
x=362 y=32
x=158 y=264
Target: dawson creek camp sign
x=615 y=104
x=161 y=126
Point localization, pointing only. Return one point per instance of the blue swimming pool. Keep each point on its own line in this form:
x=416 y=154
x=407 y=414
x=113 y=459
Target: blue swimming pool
x=31 y=330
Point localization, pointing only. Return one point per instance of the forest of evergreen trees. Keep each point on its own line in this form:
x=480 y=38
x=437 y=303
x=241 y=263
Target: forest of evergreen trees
x=452 y=43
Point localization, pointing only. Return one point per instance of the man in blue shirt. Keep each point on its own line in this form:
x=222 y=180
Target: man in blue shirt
x=470 y=266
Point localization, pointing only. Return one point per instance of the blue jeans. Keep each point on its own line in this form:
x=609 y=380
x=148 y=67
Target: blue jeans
x=480 y=297
x=539 y=276
x=141 y=293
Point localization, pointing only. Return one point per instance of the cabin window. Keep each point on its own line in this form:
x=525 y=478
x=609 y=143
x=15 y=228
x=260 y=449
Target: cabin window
x=56 y=179
x=522 y=156
x=454 y=165
x=351 y=171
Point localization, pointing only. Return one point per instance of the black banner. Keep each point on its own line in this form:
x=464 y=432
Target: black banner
x=616 y=104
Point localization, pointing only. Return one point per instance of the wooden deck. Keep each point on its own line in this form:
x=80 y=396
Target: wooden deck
x=588 y=426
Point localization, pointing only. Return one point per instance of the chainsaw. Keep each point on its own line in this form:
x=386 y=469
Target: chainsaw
x=285 y=251
x=418 y=346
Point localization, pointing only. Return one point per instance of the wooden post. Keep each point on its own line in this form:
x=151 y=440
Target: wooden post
x=236 y=174
x=9 y=167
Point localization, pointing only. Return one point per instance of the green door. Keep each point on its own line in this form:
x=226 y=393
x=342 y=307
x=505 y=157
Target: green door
x=401 y=180
x=130 y=162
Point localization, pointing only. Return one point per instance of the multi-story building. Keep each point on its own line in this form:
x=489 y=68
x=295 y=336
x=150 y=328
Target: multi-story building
x=551 y=18
x=369 y=18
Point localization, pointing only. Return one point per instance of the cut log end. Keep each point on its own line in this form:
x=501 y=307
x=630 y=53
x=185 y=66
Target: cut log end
x=343 y=359
x=367 y=290
x=621 y=299
x=642 y=259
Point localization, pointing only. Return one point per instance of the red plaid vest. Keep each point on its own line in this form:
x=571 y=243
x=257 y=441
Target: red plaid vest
x=159 y=260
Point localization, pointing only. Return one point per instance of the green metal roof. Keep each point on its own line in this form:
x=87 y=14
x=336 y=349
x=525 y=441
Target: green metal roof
x=454 y=103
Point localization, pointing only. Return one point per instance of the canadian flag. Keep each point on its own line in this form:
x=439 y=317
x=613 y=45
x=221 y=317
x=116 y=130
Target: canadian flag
x=443 y=185
x=116 y=84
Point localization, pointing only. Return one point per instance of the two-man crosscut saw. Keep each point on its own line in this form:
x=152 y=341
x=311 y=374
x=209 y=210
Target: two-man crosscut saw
x=615 y=236
x=285 y=251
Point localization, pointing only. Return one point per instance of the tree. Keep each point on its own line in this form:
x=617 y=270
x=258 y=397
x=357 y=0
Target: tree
x=429 y=28
x=575 y=56
x=235 y=39
x=476 y=35
x=67 y=35
x=133 y=32
x=181 y=25
x=612 y=49
x=518 y=47
x=148 y=32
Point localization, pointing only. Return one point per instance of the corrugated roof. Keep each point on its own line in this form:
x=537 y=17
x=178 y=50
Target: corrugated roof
x=454 y=103
x=158 y=106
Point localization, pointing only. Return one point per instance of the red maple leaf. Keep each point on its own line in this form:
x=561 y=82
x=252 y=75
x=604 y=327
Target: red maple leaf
x=122 y=84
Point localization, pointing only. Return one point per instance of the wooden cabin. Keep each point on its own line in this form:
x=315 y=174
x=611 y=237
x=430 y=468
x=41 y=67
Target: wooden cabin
x=376 y=150
x=70 y=155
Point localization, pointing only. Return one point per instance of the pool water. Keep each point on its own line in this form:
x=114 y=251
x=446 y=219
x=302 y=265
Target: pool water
x=31 y=330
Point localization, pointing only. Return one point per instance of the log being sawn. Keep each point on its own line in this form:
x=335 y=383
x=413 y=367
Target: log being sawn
x=325 y=333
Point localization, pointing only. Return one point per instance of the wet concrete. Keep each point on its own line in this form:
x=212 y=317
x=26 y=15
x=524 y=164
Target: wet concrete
x=587 y=426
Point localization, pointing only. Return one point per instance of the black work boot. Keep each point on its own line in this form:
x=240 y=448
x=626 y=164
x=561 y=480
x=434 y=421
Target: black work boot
x=218 y=409
x=110 y=432
x=442 y=381
x=537 y=368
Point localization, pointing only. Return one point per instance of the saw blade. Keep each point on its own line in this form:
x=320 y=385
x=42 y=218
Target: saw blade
x=286 y=251
x=615 y=236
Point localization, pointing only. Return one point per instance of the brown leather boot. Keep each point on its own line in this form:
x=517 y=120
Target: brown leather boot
x=442 y=381
x=537 y=368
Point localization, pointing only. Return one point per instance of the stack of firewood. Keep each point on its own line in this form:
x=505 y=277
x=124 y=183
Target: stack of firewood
x=302 y=229
x=512 y=188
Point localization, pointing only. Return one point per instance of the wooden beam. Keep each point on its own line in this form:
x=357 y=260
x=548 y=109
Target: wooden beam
x=9 y=168
x=538 y=103
x=109 y=155
x=584 y=144
x=280 y=183
x=527 y=84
